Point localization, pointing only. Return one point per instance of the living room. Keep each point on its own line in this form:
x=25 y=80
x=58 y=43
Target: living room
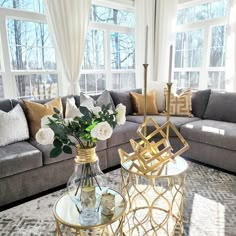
x=117 y=117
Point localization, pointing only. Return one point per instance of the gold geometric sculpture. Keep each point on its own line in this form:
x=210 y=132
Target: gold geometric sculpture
x=154 y=150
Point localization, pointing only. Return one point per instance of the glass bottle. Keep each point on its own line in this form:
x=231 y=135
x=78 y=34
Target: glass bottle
x=85 y=186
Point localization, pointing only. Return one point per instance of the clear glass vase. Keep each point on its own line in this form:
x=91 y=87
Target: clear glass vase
x=85 y=185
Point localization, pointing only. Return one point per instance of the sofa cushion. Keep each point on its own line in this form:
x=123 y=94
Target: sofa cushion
x=35 y=111
x=46 y=149
x=5 y=105
x=123 y=133
x=221 y=106
x=138 y=103
x=216 y=133
x=19 y=157
x=199 y=102
x=180 y=104
x=176 y=120
x=124 y=98
x=13 y=126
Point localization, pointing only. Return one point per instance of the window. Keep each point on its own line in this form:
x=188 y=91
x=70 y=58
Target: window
x=109 y=60
x=200 y=45
x=1 y=88
x=28 y=53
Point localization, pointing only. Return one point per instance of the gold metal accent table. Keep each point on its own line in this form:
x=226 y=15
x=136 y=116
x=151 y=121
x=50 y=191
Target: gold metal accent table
x=67 y=218
x=155 y=202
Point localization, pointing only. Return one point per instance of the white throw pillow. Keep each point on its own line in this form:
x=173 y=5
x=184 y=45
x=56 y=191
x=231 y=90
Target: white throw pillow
x=13 y=126
x=159 y=87
x=71 y=109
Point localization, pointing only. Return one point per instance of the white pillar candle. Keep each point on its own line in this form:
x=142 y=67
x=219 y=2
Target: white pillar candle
x=170 y=63
x=146 y=45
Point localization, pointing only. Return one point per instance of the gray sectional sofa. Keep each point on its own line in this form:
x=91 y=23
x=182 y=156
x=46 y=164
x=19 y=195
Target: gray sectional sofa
x=26 y=168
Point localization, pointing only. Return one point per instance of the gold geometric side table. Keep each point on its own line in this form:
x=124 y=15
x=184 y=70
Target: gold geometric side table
x=67 y=218
x=154 y=202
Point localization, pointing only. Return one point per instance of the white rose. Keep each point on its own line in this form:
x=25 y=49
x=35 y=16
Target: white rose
x=68 y=120
x=110 y=112
x=45 y=121
x=102 y=131
x=96 y=110
x=45 y=136
x=120 y=117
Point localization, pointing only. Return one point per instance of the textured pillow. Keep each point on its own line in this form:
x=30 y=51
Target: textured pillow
x=71 y=109
x=36 y=111
x=159 y=87
x=138 y=103
x=13 y=126
x=200 y=100
x=221 y=106
x=180 y=105
x=124 y=98
x=103 y=99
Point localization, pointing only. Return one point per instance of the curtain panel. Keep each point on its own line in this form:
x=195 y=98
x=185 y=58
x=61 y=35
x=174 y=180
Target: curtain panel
x=68 y=23
x=160 y=16
x=230 y=60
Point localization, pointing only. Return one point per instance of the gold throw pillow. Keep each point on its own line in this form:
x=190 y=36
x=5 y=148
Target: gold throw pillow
x=138 y=103
x=180 y=105
x=36 y=111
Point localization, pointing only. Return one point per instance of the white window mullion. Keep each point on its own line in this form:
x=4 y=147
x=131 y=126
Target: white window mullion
x=206 y=55
x=9 y=84
x=109 y=81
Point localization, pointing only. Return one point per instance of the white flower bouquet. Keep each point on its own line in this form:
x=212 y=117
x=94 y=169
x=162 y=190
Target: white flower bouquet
x=95 y=123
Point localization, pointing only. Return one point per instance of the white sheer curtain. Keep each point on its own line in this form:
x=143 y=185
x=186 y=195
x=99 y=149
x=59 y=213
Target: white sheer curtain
x=160 y=17
x=68 y=21
x=230 y=64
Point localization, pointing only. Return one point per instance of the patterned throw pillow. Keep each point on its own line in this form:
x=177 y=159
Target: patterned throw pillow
x=13 y=126
x=36 y=111
x=180 y=104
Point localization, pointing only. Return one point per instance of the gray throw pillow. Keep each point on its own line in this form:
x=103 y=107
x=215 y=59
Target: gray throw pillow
x=221 y=106
x=100 y=100
x=124 y=98
x=199 y=102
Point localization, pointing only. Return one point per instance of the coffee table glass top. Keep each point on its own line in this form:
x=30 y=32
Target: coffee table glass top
x=66 y=212
x=172 y=168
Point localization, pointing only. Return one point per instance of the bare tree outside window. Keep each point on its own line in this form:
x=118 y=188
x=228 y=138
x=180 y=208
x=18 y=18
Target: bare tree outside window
x=200 y=51
x=121 y=47
x=31 y=49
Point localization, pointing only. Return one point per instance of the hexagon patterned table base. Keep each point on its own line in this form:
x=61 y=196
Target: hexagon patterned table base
x=155 y=202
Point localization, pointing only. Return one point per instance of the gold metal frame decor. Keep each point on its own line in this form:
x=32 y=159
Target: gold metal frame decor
x=150 y=155
x=155 y=202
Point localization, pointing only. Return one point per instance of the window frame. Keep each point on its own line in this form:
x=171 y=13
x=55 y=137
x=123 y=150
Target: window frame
x=108 y=29
x=7 y=73
x=207 y=26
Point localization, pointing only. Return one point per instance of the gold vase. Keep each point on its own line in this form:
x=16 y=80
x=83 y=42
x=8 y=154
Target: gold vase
x=85 y=185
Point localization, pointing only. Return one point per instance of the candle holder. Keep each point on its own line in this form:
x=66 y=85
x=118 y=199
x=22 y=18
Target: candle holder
x=169 y=85
x=145 y=96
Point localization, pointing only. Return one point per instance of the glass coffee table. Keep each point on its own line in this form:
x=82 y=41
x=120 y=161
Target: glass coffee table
x=68 y=223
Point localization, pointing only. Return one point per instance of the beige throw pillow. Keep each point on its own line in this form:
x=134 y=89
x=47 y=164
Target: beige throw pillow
x=36 y=111
x=180 y=105
x=138 y=103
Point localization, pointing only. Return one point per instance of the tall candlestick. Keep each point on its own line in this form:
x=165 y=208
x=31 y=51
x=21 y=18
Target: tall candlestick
x=170 y=63
x=146 y=45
